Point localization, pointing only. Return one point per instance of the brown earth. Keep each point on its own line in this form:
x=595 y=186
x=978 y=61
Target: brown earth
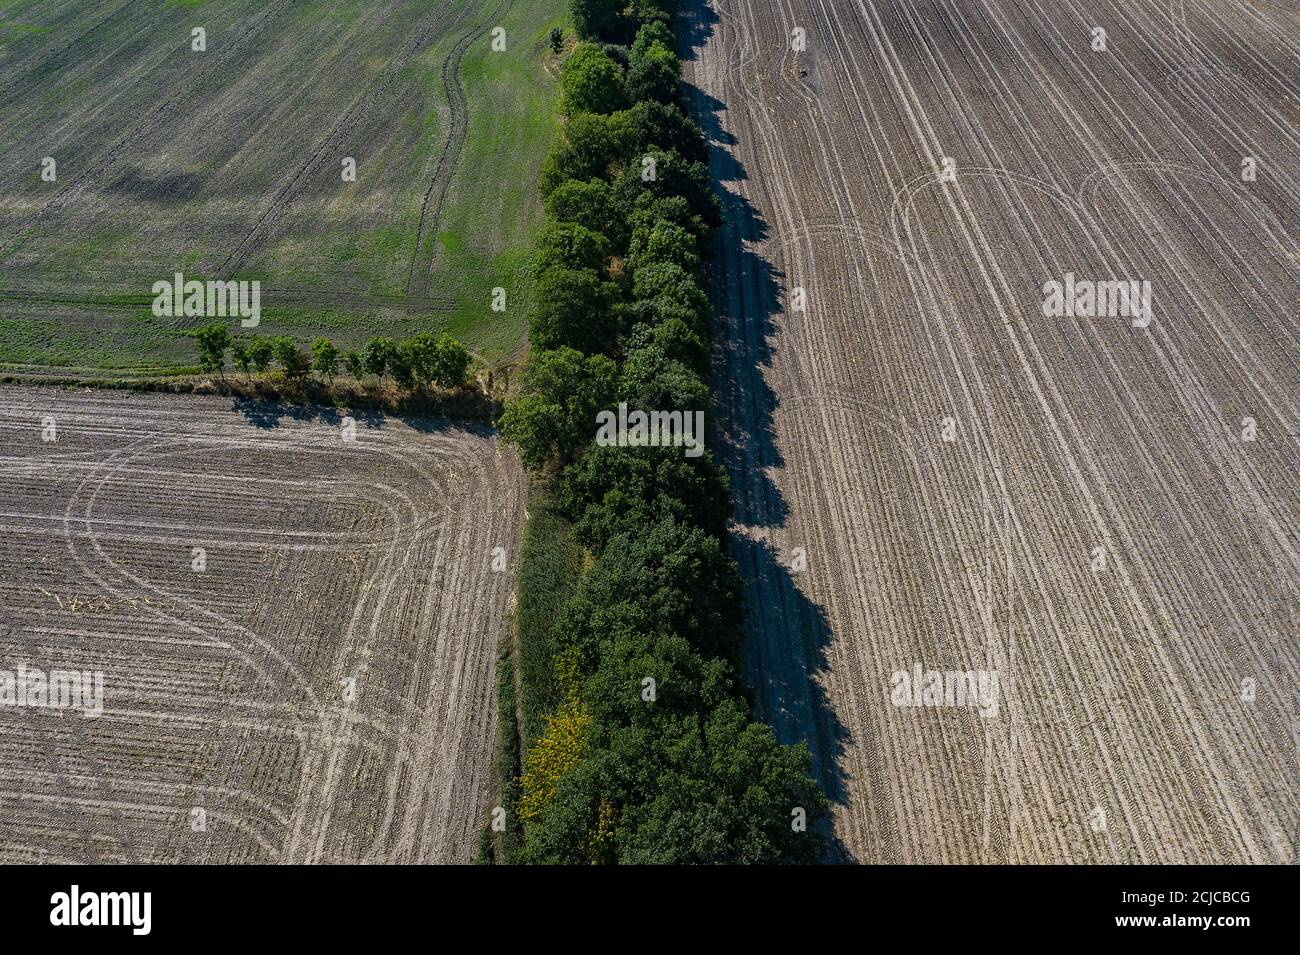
x=323 y=689
x=1098 y=531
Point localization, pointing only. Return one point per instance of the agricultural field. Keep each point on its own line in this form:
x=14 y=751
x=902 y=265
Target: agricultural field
x=932 y=473
x=228 y=163
x=293 y=617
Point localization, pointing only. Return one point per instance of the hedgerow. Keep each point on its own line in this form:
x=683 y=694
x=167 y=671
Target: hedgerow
x=649 y=753
x=416 y=362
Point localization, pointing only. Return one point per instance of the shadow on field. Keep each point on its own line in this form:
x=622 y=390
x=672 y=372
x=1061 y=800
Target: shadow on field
x=747 y=295
x=266 y=414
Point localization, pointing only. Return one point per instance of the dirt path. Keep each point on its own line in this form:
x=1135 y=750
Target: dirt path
x=1066 y=502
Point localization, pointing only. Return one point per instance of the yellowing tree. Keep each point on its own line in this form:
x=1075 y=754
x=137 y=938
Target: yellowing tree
x=557 y=752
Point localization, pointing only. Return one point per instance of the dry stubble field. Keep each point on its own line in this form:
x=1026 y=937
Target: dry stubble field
x=1127 y=729
x=331 y=566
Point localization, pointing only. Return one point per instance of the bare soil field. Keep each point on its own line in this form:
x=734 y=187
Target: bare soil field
x=315 y=684
x=227 y=162
x=931 y=473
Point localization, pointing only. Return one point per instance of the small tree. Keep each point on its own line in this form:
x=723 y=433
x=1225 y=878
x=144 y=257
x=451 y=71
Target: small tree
x=355 y=363
x=557 y=40
x=376 y=355
x=213 y=342
x=242 y=355
x=260 y=353
x=325 y=358
x=422 y=354
x=450 y=364
x=292 y=358
x=401 y=364
x=591 y=82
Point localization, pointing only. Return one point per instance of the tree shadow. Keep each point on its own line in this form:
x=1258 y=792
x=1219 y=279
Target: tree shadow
x=781 y=622
x=265 y=414
x=269 y=413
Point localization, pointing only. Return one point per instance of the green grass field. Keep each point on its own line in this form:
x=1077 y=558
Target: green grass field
x=226 y=163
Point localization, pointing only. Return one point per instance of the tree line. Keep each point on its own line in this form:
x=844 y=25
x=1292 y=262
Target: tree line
x=649 y=752
x=418 y=361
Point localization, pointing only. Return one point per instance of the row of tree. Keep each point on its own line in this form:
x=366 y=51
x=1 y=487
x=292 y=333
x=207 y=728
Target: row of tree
x=649 y=752
x=421 y=360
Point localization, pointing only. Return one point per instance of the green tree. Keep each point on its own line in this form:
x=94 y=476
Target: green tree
x=241 y=355
x=597 y=19
x=589 y=202
x=421 y=351
x=590 y=146
x=568 y=245
x=656 y=579
x=325 y=357
x=665 y=126
x=574 y=308
x=401 y=365
x=451 y=362
x=376 y=355
x=355 y=363
x=674 y=176
x=261 y=352
x=654 y=74
x=674 y=338
x=557 y=40
x=591 y=82
x=709 y=787
x=652 y=380
x=613 y=490
x=648 y=34
x=213 y=340
x=664 y=291
x=531 y=424
x=663 y=242
x=557 y=414
x=291 y=357
x=649 y=211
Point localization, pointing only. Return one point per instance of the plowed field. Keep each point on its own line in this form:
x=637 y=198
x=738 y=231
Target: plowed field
x=930 y=472
x=296 y=632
